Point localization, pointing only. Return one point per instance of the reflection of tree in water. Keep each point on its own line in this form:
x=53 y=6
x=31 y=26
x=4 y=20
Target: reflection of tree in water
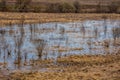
x=116 y=33
x=39 y=45
x=89 y=43
x=56 y=26
x=32 y=31
x=5 y=47
x=62 y=30
x=105 y=25
x=25 y=58
x=9 y=51
x=96 y=32
x=19 y=41
x=83 y=30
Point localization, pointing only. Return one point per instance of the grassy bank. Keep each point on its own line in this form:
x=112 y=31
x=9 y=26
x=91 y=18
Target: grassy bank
x=17 y=18
x=78 y=67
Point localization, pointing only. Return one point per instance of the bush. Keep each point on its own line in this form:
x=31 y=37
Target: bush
x=77 y=7
x=22 y=5
x=53 y=8
x=113 y=7
x=36 y=9
x=66 y=8
x=98 y=8
x=60 y=8
x=3 y=6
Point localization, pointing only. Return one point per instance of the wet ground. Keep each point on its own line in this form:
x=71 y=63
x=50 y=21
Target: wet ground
x=21 y=44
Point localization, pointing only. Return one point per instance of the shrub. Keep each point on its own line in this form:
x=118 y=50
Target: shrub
x=113 y=7
x=98 y=8
x=66 y=8
x=60 y=8
x=22 y=5
x=77 y=7
x=53 y=8
x=3 y=6
x=36 y=9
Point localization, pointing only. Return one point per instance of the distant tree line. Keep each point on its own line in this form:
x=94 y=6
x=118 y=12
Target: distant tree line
x=64 y=7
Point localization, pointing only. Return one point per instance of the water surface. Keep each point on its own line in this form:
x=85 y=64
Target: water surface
x=19 y=44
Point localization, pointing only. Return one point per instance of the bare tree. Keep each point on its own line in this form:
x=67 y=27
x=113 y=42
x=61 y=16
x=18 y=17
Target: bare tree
x=19 y=41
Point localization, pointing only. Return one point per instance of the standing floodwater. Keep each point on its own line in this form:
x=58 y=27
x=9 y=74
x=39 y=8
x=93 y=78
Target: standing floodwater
x=19 y=44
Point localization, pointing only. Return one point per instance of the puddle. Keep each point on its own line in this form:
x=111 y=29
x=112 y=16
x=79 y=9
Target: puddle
x=19 y=44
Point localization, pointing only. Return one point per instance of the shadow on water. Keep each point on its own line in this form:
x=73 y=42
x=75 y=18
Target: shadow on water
x=21 y=44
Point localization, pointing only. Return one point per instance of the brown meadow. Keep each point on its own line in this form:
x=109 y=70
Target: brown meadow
x=17 y=18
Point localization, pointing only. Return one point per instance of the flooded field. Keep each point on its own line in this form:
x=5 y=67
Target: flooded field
x=21 y=45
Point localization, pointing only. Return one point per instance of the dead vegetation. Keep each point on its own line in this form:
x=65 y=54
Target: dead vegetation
x=84 y=67
x=16 y=18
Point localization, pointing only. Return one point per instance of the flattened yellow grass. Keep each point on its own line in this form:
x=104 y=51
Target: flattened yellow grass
x=15 y=18
x=109 y=71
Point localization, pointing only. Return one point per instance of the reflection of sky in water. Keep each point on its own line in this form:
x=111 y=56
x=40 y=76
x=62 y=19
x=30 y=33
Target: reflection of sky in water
x=67 y=36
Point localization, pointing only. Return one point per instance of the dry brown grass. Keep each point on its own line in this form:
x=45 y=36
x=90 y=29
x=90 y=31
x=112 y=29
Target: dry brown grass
x=86 y=67
x=70 y=1
x=15 y=18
